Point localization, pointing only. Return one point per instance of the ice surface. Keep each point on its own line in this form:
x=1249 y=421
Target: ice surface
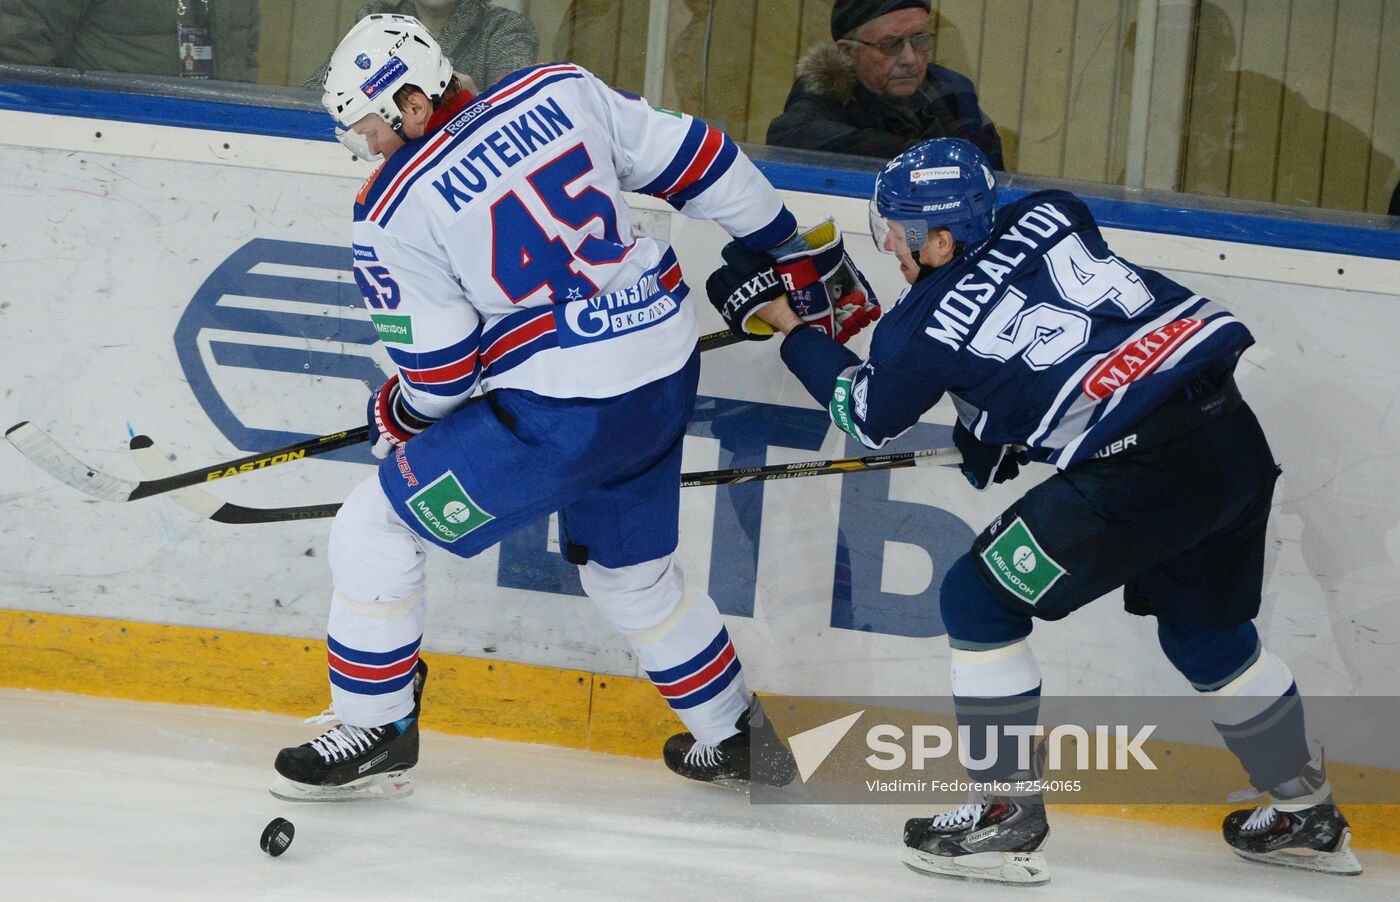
x=108 y=799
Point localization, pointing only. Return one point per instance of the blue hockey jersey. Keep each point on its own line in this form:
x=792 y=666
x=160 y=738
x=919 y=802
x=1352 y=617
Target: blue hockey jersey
x=1041 y=335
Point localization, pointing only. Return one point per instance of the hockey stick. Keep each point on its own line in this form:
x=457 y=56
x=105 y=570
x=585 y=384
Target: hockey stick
x=152 y=461
x=58 y=462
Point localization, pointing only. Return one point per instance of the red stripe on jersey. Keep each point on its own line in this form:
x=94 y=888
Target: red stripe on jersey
x=527 y=81
x=526 y=332
x=423 y=156
x=671 y=277
x=698 y=680
x=449 y=372
x=709 y=149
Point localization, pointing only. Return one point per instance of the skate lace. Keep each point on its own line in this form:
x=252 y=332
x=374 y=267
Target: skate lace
x=342 y=740
x=1260 y=819
x=962 y=816
x=702 y=755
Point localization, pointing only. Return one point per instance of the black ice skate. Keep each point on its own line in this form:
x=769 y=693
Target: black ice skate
x=353 y=763
x=996 y=838
x=731 y=763
x=1301 y=829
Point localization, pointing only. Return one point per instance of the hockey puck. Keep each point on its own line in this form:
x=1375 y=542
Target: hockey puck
x=277 y=836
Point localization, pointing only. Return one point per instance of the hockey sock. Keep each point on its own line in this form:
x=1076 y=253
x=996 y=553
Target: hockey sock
x=1260 y=716
x=378 y=610
x=1254 y=702
x=680 y=640
x=996 y=697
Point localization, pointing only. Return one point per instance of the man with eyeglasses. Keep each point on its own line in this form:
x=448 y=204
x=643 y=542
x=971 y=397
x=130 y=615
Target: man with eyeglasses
x=875 y=93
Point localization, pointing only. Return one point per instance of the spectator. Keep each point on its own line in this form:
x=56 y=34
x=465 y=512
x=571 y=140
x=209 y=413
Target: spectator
x=483 y=42
x=134 y=36
x=875 y=93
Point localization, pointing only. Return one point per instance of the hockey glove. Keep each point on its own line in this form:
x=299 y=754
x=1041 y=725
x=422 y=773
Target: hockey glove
x=745 y=283
x=824 y=286
x=390 y=424
x=983 y=464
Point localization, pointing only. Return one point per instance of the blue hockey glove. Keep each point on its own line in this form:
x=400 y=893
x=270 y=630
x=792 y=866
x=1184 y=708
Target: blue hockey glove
x=390 y=424
x=745 y=283
x=823 y=284
x=983 y=464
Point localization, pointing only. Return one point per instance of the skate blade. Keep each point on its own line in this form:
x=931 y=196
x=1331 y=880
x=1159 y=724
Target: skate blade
x=1024 y=868
x=397 y=785
x=1341 y=863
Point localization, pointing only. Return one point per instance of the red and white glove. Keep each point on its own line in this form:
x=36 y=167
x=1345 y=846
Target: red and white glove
x=824 y=286
x=390 y=424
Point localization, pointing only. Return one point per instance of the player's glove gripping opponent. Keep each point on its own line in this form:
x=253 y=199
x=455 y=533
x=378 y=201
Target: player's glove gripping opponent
x=824 y=286
x=813 y=270
x=983 y=464
x=390 y=423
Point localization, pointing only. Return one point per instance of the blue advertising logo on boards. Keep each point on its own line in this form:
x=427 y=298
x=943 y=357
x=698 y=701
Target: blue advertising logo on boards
x=245 y=338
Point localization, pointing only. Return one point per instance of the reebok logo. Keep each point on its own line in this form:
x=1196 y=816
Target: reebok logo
x=811 y=747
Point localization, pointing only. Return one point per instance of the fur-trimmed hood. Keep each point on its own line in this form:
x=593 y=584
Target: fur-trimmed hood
x=825 y=70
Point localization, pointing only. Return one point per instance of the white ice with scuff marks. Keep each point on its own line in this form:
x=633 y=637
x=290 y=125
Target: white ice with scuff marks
x=106 y=799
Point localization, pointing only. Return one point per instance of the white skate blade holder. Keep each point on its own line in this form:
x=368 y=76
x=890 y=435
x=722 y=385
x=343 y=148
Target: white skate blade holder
x=1023 y=868
x=1342 y=862
x=375 y=787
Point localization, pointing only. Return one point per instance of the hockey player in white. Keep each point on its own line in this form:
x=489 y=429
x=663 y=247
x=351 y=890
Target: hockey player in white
x=546 y=361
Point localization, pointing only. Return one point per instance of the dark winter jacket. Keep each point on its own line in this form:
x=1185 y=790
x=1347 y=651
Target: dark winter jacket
x=829 y=109
x=133 y=36
x=482 y=41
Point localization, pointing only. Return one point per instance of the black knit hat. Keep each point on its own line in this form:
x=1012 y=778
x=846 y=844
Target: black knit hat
x=848 y=15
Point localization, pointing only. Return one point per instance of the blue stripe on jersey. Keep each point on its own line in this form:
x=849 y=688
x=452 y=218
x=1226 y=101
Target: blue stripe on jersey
x=467 y=132
x=771 y=235
x=458 y=386
x=423 y=360
x=415 y=412
x=384 y=177
x=372 y=658
x=681 y=671
x=723 y=160
x=518 y=75
x=694 y=137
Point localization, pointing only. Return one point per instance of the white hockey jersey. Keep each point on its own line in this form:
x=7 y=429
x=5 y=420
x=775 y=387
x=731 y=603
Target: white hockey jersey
x=498 y=248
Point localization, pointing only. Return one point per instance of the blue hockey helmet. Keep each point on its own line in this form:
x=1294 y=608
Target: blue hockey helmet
x=944 y=183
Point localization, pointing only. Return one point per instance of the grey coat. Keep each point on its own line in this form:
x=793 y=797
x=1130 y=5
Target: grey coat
x=133 y=36
x=482 y=41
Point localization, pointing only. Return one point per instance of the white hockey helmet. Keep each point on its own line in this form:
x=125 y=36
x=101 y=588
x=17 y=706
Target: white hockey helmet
x=381 y=54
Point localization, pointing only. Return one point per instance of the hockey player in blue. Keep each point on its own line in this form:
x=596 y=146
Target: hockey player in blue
x=544 y=360
x=1055 y=350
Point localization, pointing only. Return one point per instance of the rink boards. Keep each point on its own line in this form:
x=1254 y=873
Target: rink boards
x=209 y=305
